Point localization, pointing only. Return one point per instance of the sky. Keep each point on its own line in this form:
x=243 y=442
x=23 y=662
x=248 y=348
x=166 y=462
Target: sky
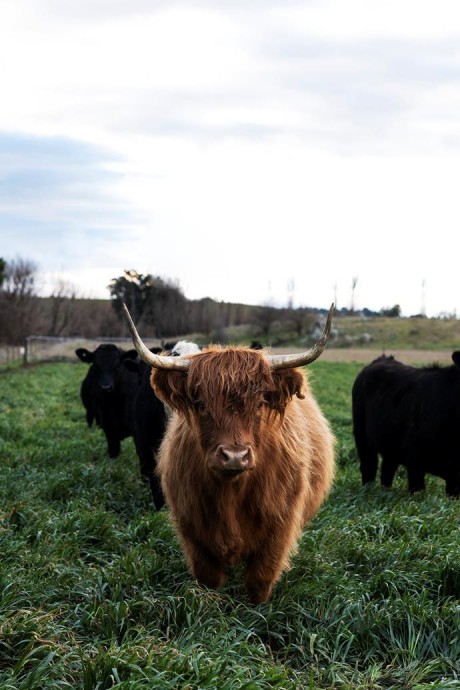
x=265 y=152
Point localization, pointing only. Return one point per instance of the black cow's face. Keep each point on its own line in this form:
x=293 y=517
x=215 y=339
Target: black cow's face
x=106 y=361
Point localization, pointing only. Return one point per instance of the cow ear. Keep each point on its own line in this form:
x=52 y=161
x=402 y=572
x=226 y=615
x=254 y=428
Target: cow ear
x=171 y=387
x=129 y=355
x=288 y=382
x=456 y=358
x=84 y=354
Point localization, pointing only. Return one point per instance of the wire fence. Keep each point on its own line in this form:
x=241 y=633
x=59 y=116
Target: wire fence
x=10 y=354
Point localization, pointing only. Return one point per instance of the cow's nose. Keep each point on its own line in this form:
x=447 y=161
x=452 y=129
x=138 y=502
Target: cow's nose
x=234 y=458
x=106 y=388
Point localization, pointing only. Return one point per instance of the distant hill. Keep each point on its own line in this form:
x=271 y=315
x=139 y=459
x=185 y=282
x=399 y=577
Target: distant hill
x=383 y=333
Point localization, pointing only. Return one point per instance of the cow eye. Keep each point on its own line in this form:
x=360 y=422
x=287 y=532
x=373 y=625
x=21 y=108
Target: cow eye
x=200 y=407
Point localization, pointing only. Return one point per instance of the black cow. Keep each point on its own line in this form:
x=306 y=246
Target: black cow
x=410 y=416
x=256 y=345
x=150 y=417
x=107 y=392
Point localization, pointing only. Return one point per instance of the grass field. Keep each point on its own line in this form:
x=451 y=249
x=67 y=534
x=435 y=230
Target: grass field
x=404 y=333
x=94 y=592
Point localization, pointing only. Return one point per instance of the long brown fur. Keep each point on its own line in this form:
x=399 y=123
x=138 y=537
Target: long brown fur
x=231 y=396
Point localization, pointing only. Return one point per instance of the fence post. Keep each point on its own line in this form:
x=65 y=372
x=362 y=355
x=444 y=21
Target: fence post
x=26 y=351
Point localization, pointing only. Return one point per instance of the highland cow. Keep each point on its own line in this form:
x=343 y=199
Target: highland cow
x=247 y=458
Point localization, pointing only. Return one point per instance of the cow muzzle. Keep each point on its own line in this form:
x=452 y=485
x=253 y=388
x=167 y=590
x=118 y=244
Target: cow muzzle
x=232 y=460
x=105 y=388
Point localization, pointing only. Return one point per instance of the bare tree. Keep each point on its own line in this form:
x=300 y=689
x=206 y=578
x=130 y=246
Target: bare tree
x=18 y=300
x=62 y=307
x=19 y=279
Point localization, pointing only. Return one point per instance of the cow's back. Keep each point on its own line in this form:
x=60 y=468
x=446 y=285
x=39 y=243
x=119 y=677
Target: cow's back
x=397 y=403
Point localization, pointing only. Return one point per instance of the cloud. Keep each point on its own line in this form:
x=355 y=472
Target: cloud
x=57 y=203
x=346 y=77
x=235 y=146
x=75 y=177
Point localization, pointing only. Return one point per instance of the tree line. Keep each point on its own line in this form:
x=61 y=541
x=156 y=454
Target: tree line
x=157 y=305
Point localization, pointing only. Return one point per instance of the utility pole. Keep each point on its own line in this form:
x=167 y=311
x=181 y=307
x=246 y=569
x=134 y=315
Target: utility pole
x=354 y=282
x=423 y=307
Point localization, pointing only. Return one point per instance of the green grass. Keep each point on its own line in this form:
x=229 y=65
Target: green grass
x=94 y=592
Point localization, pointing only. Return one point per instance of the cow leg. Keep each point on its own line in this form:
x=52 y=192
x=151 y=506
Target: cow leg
x=453 y=485
x=415 y=478
x=205 y=567
x=259 y=587
x=264 y=569
x=368 y=465
x=147 y=463
x=367 y=455
x=111 y=435
x=157 y=493
x=114 y=447
x=146 y=459
x=388 y=470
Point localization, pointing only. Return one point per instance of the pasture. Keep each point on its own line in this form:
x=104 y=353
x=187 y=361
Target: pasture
x=95 y=594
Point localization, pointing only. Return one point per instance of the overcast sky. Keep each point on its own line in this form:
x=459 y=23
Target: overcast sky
x=251 y=150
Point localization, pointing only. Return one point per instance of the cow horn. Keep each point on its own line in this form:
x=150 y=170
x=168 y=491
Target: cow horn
x=304 y=358
x=157 y=361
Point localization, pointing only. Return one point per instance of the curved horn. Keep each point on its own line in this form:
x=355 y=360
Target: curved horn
x=304 y=358
x=157 y=361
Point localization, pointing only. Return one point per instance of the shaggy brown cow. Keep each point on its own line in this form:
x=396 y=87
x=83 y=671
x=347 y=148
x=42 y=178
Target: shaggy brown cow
x=247 y=458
